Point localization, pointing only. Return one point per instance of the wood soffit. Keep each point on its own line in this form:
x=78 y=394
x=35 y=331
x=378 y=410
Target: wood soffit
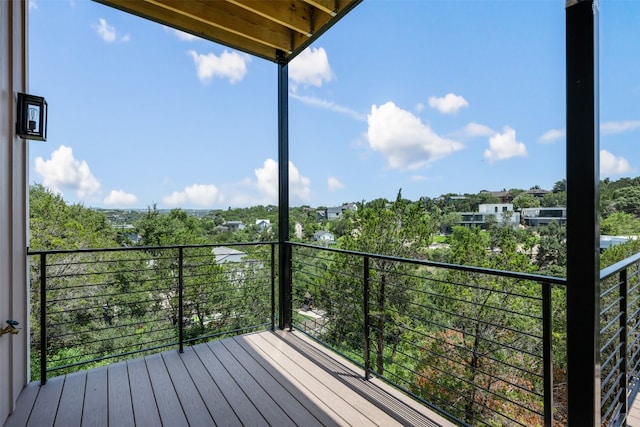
x=264 y=28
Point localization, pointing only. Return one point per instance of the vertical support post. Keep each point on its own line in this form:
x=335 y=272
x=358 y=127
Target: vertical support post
x=181 y=299
x=624 y=369
x=547 y=353
x=273 y=287
x=43 y=319
x=583 y=230
x=367 y=325
x=284 y=251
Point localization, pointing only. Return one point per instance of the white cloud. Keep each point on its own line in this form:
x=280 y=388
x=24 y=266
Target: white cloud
x=404 y=140
x=419 y=107
x=620 y=126
x=64 y=172
x=33 y=5
x=474 y=130
x=106 y=31
x=334 y=184
x=120 y=198
x=204 y=195
x=504 y=146
x=448 y=104
x=310 y=67
x=418 y=178
x=552 y=135
x=229 y=65
x=612 y=165
x=125 y=38
x=267 y=182
x=328 y=105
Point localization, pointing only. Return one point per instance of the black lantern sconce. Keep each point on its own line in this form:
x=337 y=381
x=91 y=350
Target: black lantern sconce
x=32 y=117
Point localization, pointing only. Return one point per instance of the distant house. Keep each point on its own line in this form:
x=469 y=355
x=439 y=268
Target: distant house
x=263 y=224
x=336 y=212
x=224 y=254
x=324 y=236
x=321 y=215
x=535 y=217
x=538 y=193
x=234 y=225
x=503 y=196
x=501 y=212
x=608 y=241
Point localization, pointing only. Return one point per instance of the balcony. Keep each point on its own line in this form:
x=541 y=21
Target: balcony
x=385 y=338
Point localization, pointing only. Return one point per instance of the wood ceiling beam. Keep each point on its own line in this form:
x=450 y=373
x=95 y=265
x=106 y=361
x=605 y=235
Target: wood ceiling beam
x=295 y=15
x=327 y=6
x=233 y=19
x=197 y=27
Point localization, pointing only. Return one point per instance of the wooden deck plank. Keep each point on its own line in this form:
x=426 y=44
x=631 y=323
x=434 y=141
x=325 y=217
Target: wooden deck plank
x=287 y=376
x=24 y=405
x=69 y=412
x=329 y=390
x=218 y=406
x=95 y=413
x=273 y=413
x=143 y=401
x=194 y=408
x=388 y=399
x=46 y=406
x=246 y=411
x=295 y=390
x=120 y=408
x=171 y=412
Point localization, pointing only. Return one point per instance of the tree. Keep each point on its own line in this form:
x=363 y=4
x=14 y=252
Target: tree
x=400 y=229
x=476 y=357
x=560 y=186
x=524 y=200
x=620 y=224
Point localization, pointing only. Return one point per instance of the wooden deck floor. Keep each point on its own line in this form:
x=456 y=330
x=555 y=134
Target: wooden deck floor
x=259 y=379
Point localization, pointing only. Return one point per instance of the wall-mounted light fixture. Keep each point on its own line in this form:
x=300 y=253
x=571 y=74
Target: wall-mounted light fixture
x=32 y=117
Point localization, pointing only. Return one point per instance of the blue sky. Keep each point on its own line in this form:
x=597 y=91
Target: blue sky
x=432 y=97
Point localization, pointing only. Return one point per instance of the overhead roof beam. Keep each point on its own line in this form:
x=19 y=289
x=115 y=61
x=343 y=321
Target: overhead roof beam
x=327 y=6
x=235 y=20
x=295 y=15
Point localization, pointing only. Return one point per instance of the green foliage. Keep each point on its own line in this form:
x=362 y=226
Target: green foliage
x=524 y=200
x=620 y=224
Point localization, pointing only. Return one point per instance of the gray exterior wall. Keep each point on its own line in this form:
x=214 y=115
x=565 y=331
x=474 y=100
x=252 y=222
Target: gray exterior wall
x=14 y=356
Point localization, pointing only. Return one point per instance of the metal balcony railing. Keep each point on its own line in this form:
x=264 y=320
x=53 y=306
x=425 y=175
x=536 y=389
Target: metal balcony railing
x=483 y=347
x=98 y=304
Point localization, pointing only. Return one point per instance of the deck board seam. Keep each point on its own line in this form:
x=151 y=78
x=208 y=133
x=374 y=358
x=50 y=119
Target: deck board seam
x=194 y=385
x=320 y=380
x=280 y=382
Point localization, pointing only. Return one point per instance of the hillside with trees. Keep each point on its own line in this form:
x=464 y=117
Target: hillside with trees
x=455 y=334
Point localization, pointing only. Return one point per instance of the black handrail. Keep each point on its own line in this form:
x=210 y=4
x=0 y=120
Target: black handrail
x=620 y=319
x=62 y=317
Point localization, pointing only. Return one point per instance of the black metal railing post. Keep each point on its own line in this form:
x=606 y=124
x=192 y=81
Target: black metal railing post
x=367 y=326
x=43 y=319
x=289 y=289
x=181 y=299
x=273 y=286
x=583 y=229
x=547 y=353
x=624 y=370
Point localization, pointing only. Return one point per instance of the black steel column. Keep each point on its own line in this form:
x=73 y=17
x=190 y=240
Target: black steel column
x=284 y=252
x=583 y=229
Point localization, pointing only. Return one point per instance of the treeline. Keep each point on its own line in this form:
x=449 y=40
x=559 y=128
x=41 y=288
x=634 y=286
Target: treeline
x=467 y=342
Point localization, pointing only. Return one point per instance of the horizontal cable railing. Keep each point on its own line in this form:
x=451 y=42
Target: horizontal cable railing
x=619 y=339
x=481 y=346
x=476 y=344
x=99 y=304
